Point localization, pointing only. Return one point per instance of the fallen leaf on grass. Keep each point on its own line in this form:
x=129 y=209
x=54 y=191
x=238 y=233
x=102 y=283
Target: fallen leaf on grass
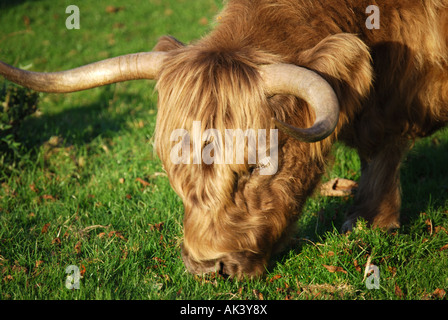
x=157 y=226
x=82 y=270
x=37 y=269
x=333 y=269
x=445 y=247
x=45 y=228
x=160 y=261
x=117 y=234
x=357 y=267
x=276 y=277
x=398 y=292
x=258 y=294
x=392 y=270
x=78 y=247
x=8 y=278
x=439 y=293
x=143 y=182
x=114 y=9
x=439 y=229
x=48 y=197
x=429 y=225
x=338 y=188
x=33 y=188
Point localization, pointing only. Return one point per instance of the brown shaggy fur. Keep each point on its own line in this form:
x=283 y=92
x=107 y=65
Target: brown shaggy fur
x=391 y=83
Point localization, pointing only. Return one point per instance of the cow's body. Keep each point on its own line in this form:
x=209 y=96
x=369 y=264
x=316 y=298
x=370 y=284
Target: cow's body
x=391 y=84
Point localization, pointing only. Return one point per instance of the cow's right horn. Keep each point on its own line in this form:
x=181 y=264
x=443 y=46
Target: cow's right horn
x=311 y=87
x=145 y=65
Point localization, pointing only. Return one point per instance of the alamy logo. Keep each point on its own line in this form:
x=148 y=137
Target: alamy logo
x=73 y=279
x=373 y=21
x=223 y=150
x=372 y=281
x=72 y=21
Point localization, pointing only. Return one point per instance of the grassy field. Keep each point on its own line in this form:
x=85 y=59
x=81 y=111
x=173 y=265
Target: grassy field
x=89 y=190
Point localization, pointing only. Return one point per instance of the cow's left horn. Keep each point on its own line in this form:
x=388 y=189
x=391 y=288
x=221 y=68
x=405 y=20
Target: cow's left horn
x=311 y=87
x=136 y=66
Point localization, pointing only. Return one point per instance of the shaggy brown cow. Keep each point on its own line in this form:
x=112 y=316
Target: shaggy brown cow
x=374 y=89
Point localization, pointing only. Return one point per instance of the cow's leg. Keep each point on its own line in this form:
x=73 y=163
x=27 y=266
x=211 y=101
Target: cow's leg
x=378 y=198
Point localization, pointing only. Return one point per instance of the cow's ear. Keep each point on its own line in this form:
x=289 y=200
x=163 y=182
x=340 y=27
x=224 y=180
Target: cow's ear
x=168 y=43
x=345 y=61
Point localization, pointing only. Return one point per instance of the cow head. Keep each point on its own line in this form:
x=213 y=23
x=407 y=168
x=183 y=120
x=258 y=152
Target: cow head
x=237 y=212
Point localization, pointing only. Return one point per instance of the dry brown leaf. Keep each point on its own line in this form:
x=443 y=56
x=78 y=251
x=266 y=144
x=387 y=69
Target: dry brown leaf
x=33 y=188
x=357 y=267
x=392 y=270
x=338 y=188
x=439 y=229
x=258 y=294
x=143 y=182
x=45 y=228
x=114 y=9
x=334 y=269
x=78 y=247
x=439 y=293
x=82 y=270
x=117 y=234
x=8 y=278
x=445 y=247
x=18 y=268
x=398 y=292
x=157 y=226
x=275 y=277
x=48 y=197
x=428 y=222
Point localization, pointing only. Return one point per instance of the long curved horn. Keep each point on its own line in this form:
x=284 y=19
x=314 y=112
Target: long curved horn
x=311 y=87
x=145 y=65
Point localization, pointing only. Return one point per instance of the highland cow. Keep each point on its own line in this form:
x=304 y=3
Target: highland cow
x=311 y=69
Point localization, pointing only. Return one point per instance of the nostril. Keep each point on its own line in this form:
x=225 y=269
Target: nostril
x=221 y=270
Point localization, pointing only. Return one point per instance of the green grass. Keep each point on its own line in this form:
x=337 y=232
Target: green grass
x=77 y=201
